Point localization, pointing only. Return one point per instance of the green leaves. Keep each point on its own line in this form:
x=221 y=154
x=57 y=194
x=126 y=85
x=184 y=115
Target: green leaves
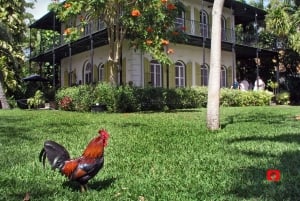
x=135 y=17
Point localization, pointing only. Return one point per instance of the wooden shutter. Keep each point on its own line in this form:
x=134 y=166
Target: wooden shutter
x=229 y=76
x=66 y=78
x=74 y=77
x=172 y=76
x=124 y=71
x=198 y=74
x=147 y=77
x=95 y=74
x=189 y=74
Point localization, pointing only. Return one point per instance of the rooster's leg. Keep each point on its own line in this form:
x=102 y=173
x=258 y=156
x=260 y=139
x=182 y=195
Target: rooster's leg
x=83 y=188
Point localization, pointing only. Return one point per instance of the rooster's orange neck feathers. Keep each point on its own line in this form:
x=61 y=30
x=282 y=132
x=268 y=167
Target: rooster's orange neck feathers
x=95 y=148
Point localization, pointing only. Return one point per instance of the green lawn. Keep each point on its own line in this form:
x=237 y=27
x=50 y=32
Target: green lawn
x=156 y=156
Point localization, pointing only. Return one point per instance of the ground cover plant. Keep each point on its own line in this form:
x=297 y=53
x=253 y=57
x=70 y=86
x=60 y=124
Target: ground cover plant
x=156 y=156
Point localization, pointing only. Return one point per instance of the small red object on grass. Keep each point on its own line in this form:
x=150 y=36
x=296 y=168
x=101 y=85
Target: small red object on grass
x=273 y=175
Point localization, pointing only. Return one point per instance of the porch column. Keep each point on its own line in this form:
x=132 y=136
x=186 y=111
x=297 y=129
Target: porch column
x=70 y=65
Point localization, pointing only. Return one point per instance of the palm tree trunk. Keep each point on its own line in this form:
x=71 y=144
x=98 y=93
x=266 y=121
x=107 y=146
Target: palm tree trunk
x=3 y=100
x=213 y=102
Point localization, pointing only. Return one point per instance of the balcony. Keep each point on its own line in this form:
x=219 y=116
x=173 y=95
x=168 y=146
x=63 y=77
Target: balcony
x=192 y=28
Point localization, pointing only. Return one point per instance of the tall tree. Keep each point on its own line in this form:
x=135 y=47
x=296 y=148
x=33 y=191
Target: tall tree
x=213 y=102
x=12 y=28
x=149 y=25
x=283 y=20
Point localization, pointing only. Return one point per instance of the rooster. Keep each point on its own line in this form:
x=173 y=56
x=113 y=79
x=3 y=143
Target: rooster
x=80 y=169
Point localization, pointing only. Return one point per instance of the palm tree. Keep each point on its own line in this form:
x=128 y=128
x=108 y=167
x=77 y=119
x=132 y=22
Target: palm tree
x=283 y=20
x=213 y=102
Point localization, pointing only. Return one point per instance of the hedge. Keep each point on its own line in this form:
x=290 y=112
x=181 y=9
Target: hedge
x=134 y=99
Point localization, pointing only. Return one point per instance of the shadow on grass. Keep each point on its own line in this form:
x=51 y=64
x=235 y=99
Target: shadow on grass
x=96 y=185
x=258 y=117
x=251 y=183
x=37 y=191
x=290 y=138
x=10 y=129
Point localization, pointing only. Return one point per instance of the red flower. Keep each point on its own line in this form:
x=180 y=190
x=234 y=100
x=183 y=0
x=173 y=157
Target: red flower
x=135 y=13
x=67 y=31
x=149 y=29
x=171 y=6
x=164 y=42
x=164 y=1
x=170 y=51
x=149 y=42
x=65 y=103
x=273 y=175
x=183 y=28
x=67 y=5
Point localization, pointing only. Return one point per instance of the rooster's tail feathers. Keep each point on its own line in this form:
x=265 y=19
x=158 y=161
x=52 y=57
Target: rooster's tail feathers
x=55 y=153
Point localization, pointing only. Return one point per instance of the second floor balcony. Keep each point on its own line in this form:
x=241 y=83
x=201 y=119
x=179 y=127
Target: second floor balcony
x=192 y=28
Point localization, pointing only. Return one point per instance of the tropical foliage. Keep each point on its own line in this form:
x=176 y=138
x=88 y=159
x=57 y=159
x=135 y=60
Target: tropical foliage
x=283 y=20
x=151 y=24
x=12 y=29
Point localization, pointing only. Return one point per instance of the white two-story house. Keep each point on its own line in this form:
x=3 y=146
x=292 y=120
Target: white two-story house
x=84 y=61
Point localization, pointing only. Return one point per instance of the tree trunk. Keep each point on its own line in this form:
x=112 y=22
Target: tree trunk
x=3 y=100
x=213 y=102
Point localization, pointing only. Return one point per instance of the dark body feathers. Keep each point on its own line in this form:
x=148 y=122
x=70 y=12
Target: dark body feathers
x=80 y=169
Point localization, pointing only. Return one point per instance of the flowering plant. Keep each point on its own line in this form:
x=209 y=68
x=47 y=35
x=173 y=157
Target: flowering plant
x=66 y=103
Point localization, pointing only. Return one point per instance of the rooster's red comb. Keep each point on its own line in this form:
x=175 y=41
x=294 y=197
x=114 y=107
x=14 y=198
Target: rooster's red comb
x=104 y=134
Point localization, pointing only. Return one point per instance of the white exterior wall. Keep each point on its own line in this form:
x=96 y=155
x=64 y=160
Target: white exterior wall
x=78 y=61
x=135 y=59
x=134 y=66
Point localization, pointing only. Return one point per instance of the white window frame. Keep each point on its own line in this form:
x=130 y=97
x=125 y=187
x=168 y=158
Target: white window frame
x=88 y=69
x=204 y=24
x=101 y=72
x=223 y=76
x=179 y=21
x=179 y=74
x=156 y=73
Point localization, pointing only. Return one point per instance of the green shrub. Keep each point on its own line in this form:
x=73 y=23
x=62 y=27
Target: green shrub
x=150 y=98
x=200 y=97
x=239 y=98
x=126 y=100
x=283 y=98
x=37 y=100
x=104 y=94
x=81 y=96
x=230 y=97
x=173 y=98
x=133 y=99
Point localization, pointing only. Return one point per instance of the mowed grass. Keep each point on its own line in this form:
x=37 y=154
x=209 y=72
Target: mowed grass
x=156 y=156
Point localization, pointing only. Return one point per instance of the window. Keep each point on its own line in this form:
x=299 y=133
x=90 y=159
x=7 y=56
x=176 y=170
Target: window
x=223 y=76
x=88 y=26
x=100 y=24
x=179 y=74
x=223 y=25
x=204 y=74
x=101 y=72
x=204 y=24
x=155 y=72
x=88 y=73
x=179 y=21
